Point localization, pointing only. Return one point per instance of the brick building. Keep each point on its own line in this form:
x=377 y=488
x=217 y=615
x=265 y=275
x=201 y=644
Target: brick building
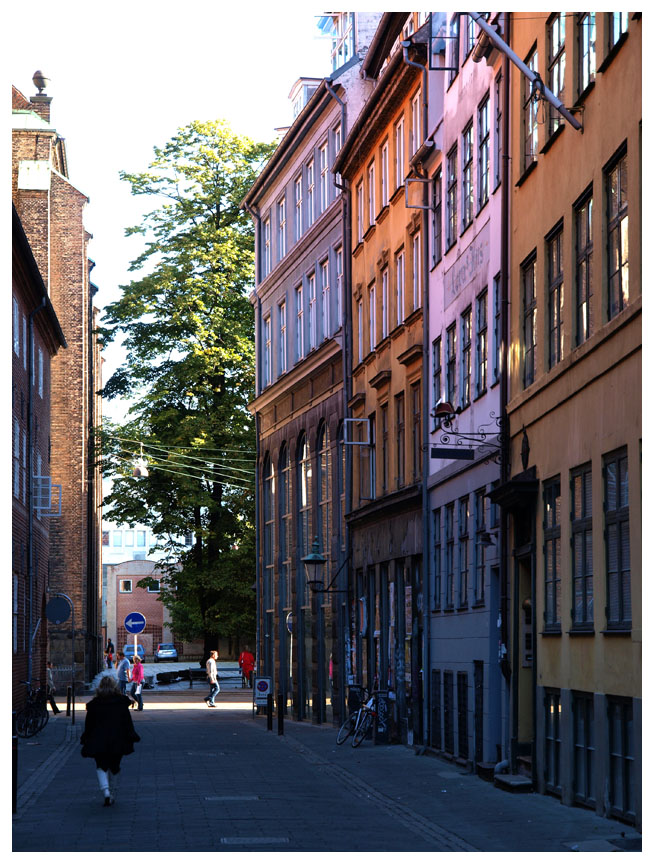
x=34 y=323
x=51 y=210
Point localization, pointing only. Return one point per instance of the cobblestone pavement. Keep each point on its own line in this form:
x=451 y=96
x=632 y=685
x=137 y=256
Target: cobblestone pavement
x=217 y=780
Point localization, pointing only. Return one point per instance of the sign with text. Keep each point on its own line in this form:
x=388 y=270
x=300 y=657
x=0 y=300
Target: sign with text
x=471 y=267
x=262 y=689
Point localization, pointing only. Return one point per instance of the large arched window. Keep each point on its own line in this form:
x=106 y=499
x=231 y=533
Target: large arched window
x=304 y=505
x=324 y=491
x=269 y=531
x=284 y=500
x=341 y=485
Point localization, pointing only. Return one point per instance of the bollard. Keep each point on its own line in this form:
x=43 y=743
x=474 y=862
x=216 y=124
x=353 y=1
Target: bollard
x=14 y=763
x=190 y=678
x=68 y=701
x=280 y=714
x=269 y=712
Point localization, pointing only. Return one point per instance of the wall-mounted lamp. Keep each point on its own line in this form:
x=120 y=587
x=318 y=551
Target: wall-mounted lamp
x=314 y=563
x=487 y=539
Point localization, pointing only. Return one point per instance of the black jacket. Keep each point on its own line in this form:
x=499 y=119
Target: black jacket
x=108 y=728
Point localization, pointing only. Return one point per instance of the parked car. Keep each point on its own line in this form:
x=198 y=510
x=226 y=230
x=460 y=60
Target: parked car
x=165 y=652
x=128 y=651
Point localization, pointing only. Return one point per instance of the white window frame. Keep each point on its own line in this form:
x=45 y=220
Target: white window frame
x=400 y=288
x=282 y=227
x=283 y=336
x=415 y=130
x=338 y=253
x=371 y=194
x=267 y=246
x=24 y=342
x=310 y=192
x=372 y=330
x=129 y=538
x=399 y=140
x=384 y=174
x=385 y=302
x=117 y=535
x=300 y=337
x=16 y=326
x=313 y=330
x=416 y=269
x=16 y=458
x=325 y=299
x=360 y=212
x=297 y=191
x=267 y=351
x=323 y=181
x=123 y=587
x=40 y=370
x=360 y=330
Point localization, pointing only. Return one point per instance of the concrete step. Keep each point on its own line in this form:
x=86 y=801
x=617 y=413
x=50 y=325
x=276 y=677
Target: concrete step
x=514 y=783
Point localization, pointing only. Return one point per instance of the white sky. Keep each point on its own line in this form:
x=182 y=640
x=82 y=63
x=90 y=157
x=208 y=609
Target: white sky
x=125 y=77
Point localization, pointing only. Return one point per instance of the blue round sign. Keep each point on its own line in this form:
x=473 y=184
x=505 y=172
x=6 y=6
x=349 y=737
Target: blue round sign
x=135 y=623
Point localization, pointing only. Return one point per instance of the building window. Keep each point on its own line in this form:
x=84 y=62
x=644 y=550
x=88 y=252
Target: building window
x=371 y=194
x=552 y=554
x=343 y=39
x=360 y=330
x=451 y=197
x=140 y=538
x=467 y=176
x=24 y=342
x=436 y=377
x=463 y=528
x=285 y=525
x=324 y=492
x=453 y=48
x=483 y=153
x=583 y=749
x=300 y=339
x=267 y=351
x=399 y=137
x=283 y=336
x=470 y=36
x=451 y=364
x=310 y=192
x=360 y=212
x=297 y=215
x=556 y=65
x=338 y=256
x=372 y=459
x=304 y=497
x=617 y=540
x=125 y=586
x=384 y=173
x=436 y=558
x=323 y=179
x=616 y=179
x=281 y=228
x=450 y=555
x=498 y=330
x=555 y=299
x=415 y=128
x=40 y=373
x=530 y=111
x=436 y=218
x=480 y=548
x=621 y=756
x=498 y=130
x=400 y=440
x=267 y=247
x=372 y=330
x=385 y=303
x=16 y=326
x=129 y=538
x=481 y=343
x=105 y=539
x=582 y=548
x=117 y=539
x=400 y=288
x=313 y=329
x=155 y=586
x=466 y=359
x=586 y=49
x=553 y=741
x=337 y=139
x=364 y=453
x=583 y=271
x=618 y=25
x=417 y=437
x=384 y=413
x=462 y=716
x=341 y=467
x=325 y=299
x=16 y=458
x=529 y=321
x=416 y=270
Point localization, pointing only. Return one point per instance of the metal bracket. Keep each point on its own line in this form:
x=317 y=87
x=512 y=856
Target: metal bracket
x=348 y=420
x=409 y=180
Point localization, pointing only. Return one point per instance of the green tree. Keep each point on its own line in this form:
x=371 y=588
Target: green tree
x=188 y=336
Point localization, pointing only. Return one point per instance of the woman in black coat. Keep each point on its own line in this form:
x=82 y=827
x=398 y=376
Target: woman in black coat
x=109 y=733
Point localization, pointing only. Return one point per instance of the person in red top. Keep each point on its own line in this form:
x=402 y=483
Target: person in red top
x=247 y=664
x=137 y=682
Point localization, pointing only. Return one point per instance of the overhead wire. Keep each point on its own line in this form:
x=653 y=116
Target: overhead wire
x=213 y=465
x=194 y=447
x=226 y=479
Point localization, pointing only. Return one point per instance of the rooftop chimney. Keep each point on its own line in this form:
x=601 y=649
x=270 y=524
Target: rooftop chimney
x=41 y=101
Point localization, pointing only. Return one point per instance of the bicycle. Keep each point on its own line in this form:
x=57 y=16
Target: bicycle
x=358 y=697
x=34 y=715
x=368 y=714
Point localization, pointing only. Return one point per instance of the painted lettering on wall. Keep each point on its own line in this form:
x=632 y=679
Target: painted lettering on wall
x=471 y=266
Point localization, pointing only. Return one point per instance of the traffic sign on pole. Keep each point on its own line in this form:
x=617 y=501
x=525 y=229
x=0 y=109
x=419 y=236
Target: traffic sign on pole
x=135 y=623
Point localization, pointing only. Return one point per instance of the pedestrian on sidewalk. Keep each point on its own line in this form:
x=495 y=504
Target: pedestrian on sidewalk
x=137 y=683
x=246 y=665
x=122 y=672
x=212 y=677
x=109 y=734
x=51 y=690
x=109 y=654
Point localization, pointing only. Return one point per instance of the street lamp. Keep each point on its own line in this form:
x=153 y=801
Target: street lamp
x=313 y=563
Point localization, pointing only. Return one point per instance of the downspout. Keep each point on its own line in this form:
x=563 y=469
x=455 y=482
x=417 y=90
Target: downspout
x=506 y=669
x=346 y=323
x=426 y=408
x=92 y=535
x=30 y=487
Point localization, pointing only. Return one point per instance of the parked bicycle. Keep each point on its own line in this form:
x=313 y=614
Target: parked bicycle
x=361 y=719
x=34 y=715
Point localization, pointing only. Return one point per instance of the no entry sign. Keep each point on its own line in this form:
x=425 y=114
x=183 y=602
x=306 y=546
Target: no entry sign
x=262 y=689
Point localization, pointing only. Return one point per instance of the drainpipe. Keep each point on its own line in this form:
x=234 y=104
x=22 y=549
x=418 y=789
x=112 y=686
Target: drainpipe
x=426 y=404
x=30 y=487
x=346 y=324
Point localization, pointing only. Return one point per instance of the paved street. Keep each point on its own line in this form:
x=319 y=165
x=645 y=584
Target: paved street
x=216 y=779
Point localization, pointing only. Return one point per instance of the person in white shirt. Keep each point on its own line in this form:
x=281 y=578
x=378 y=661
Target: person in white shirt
x=212 y=676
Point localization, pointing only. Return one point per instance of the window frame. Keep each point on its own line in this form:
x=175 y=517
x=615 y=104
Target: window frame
x=484 y=151
x=586 y=27
x=481 y=341
x=617 y=518
x=529 y=320
x=467 y=175
x=582 y=570
x=282 y=317
x=298 y=200
x=554 y=256
x=451 y=197
x=617 y=223
x=466 y=326
x=584 y=248
x=437 y=229
x=556 y=67
x=552 y=551
x=282 y=227
x=311 y=188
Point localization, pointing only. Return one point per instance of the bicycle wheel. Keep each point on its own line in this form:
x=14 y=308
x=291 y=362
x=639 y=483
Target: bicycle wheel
x=362 y=729
x=346 y=728
x=27 y=723
x=42 y=715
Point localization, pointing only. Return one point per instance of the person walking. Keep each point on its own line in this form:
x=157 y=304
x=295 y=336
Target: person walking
x=51 y=690
x=122 y=672
x=212 y=676
x=246 y=665
x=109 y=734
x=109 y=652
x=137 y=683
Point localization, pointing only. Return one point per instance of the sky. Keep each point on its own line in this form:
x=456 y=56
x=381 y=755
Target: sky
x=124 y=78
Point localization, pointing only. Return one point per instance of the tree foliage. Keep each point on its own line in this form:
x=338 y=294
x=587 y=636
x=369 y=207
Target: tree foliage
x=188 y=335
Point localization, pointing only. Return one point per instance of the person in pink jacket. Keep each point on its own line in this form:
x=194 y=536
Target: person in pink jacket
x=137 y=683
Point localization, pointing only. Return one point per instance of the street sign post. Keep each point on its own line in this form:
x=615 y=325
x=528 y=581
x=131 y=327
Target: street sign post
x=134 y=624
x=261 y=690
